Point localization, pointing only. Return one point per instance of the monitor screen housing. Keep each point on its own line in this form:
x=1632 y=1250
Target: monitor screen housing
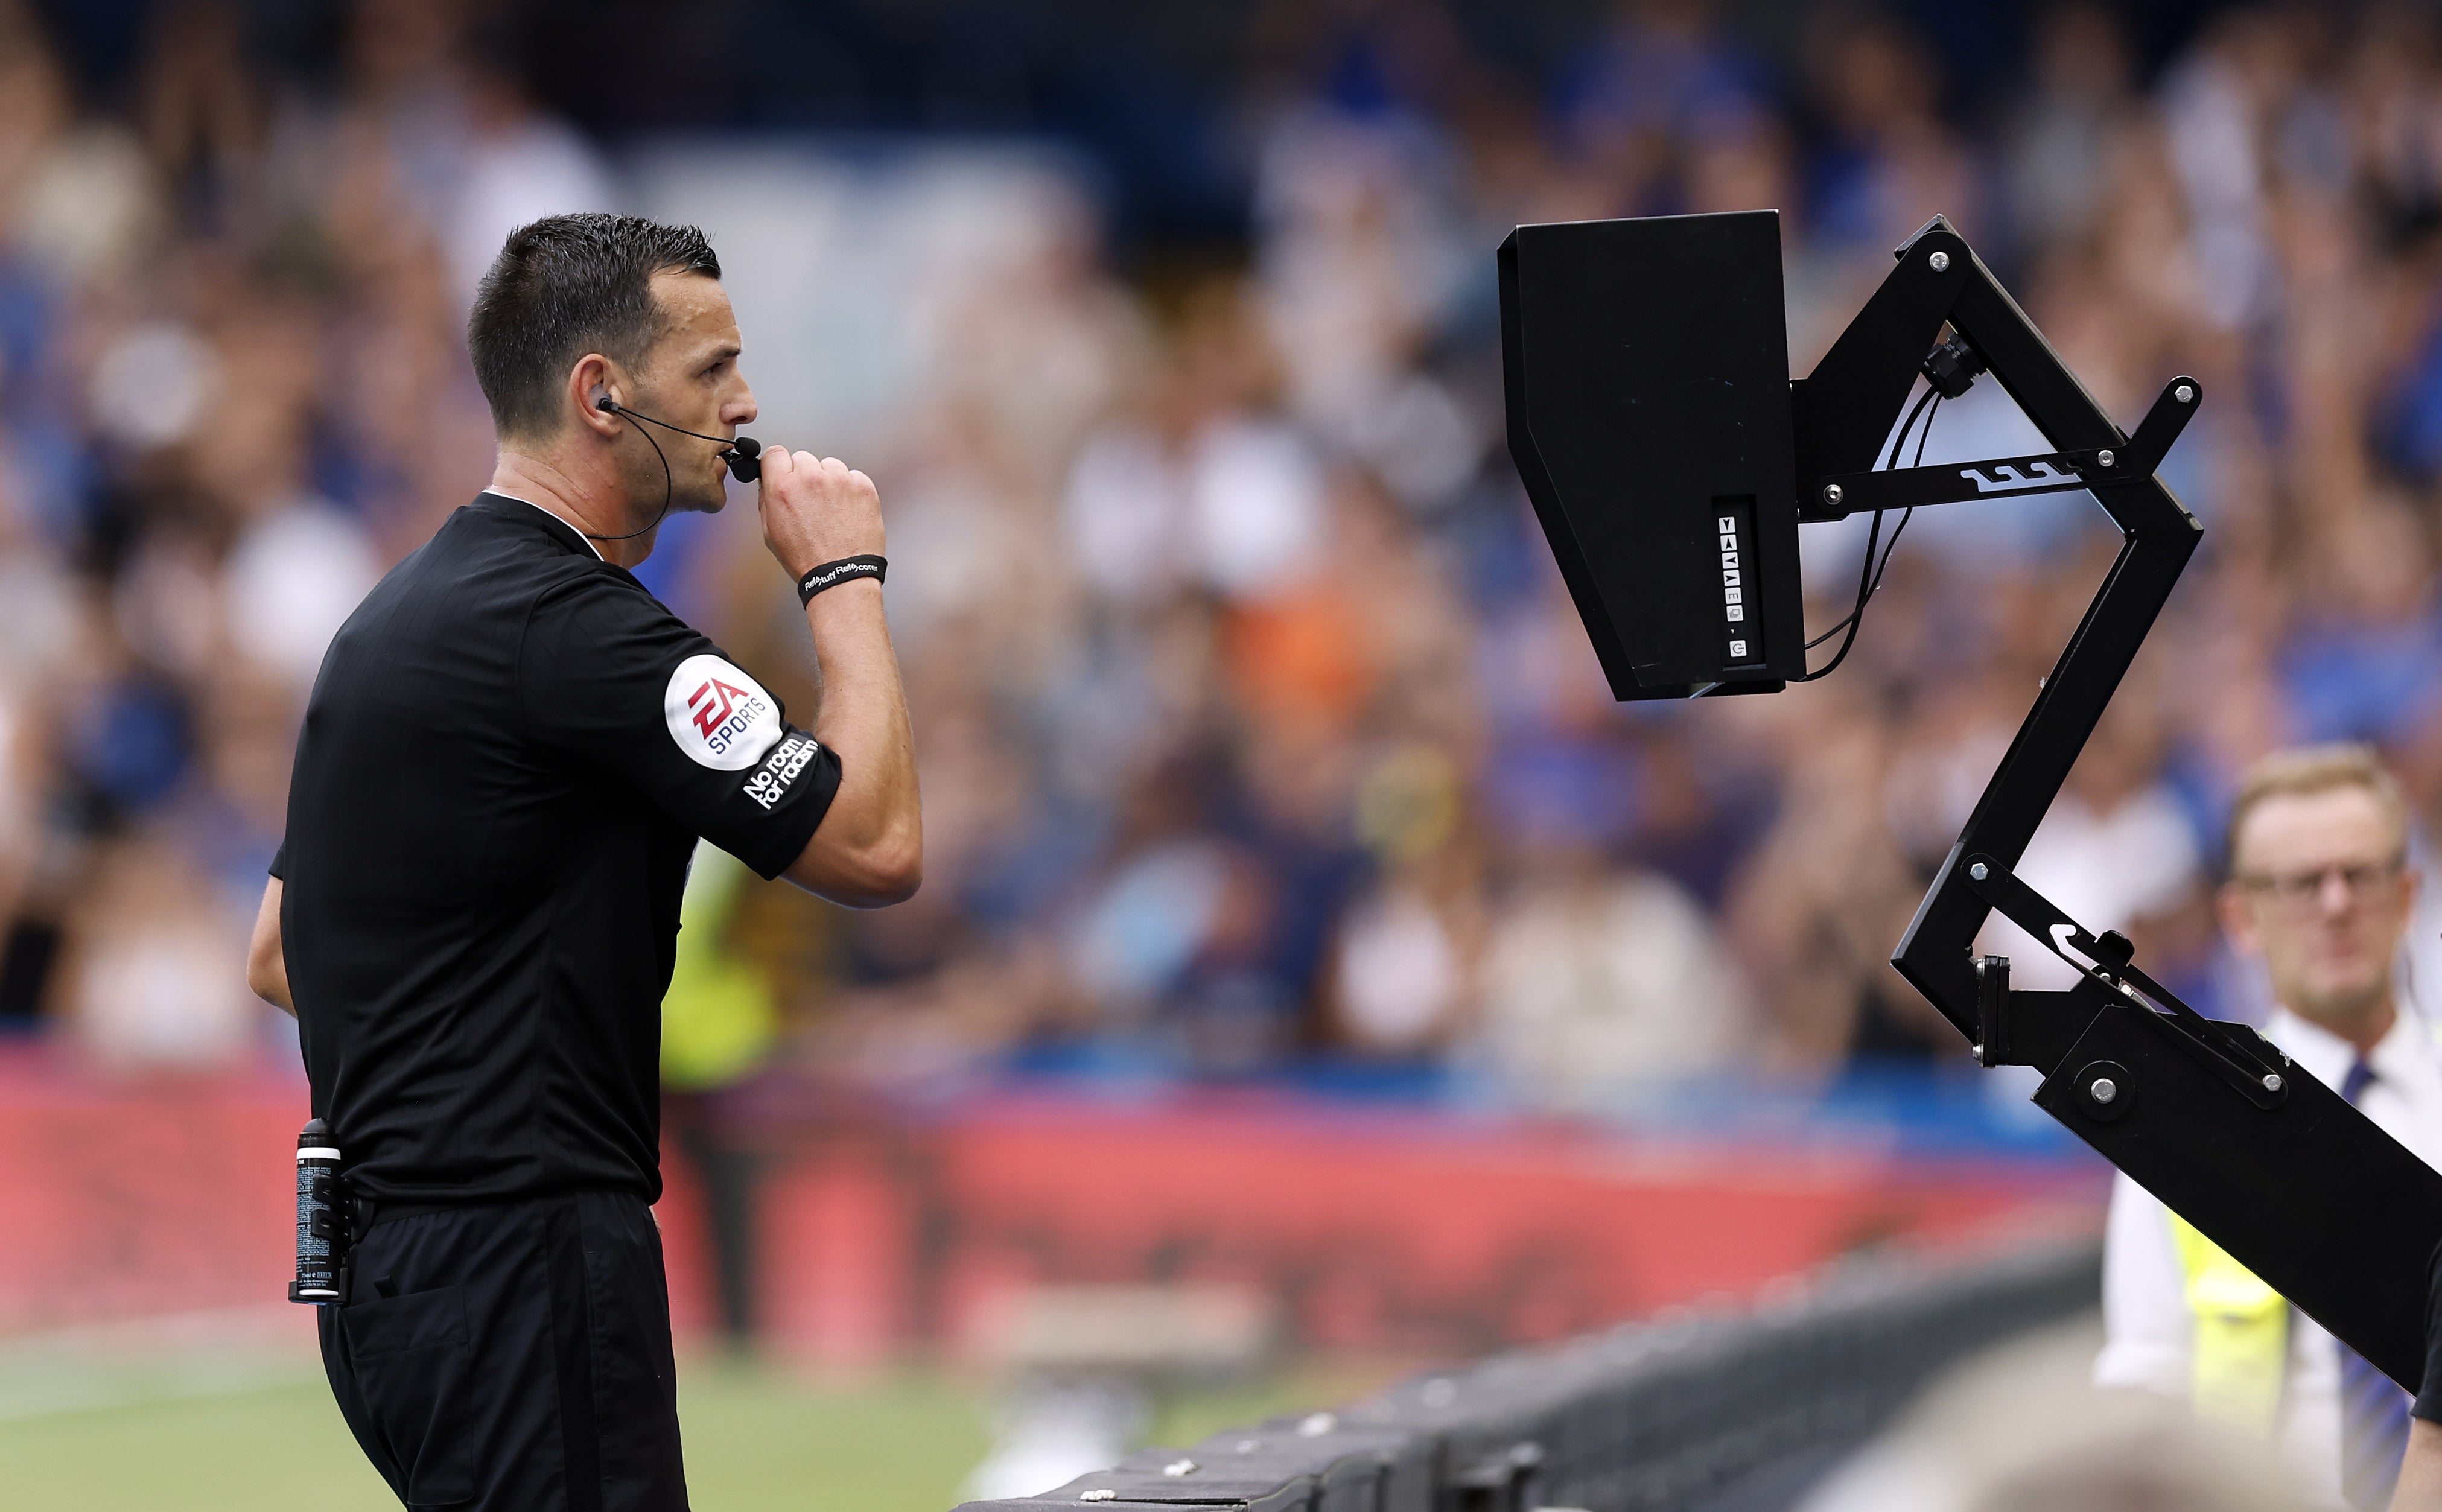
x=1645 y=367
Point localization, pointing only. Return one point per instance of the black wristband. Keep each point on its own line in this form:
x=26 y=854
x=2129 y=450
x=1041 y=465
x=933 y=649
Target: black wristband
x=830 y=574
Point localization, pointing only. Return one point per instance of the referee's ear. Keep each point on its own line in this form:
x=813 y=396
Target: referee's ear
x=591 y=382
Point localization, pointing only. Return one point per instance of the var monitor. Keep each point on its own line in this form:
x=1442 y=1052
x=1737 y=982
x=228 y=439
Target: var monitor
x=1645 y=364
x=1671 y=458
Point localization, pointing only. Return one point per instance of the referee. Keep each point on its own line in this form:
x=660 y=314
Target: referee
x=506 y=762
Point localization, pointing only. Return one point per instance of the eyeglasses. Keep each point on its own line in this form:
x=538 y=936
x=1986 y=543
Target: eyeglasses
x=2300 y=892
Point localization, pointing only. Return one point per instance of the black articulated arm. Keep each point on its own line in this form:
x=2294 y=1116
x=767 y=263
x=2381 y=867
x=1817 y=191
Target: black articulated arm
x=1843 y=412
x=2264 y=1160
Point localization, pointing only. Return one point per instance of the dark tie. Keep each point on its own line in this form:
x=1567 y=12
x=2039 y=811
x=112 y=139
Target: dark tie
x=2374 y=1410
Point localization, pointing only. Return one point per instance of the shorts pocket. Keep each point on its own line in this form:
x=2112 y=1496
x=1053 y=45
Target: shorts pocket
x=410 y=1354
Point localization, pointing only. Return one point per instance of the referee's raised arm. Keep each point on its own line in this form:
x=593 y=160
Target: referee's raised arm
x=820 y=514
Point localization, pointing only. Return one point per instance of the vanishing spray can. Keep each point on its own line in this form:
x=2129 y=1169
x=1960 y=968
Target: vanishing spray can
x=321 y=1241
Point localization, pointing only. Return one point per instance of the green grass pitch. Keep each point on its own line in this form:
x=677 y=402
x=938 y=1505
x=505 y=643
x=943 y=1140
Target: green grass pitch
x=224 y=1429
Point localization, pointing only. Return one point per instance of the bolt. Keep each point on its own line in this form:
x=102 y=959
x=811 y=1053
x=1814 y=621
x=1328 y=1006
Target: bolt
x=1979 y=871
x=2185 y=393
x=1978 y=1052
x=2102 y=458
x=1177 y=1468
x=1939 y=262
x=1833 y=493
x=2104 y=1090
x=2272 y=1081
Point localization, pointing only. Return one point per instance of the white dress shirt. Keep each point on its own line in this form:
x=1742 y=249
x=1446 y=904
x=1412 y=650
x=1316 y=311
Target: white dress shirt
x=2149 y=1334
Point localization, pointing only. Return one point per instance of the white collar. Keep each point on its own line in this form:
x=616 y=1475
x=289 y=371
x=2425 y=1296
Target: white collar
x=2327 y=1057
x=530 y=505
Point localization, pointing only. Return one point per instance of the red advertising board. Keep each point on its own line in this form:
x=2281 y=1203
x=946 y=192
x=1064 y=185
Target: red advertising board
x=1407 y=1231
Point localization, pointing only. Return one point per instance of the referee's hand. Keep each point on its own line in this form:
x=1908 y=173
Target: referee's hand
x=816 y=510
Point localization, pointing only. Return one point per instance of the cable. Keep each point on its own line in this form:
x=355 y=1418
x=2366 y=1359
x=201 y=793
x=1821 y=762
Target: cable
x=1869 y=572
x=1909 y=513
x=669 y=485
x=1874 y=532
x=1899 y=444
x=1874 y=537
x=737 y=452
x=740 y=454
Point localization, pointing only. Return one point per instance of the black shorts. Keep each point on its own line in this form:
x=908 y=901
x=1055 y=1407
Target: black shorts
x=513 y=1357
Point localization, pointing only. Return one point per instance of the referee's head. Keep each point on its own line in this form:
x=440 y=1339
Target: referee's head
x=577 y=309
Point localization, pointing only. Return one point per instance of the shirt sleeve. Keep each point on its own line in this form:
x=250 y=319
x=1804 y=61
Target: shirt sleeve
x=280 y=859
x=612 y=680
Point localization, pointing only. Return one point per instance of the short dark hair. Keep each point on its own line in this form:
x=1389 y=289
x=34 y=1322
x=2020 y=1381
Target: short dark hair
x=561 y=287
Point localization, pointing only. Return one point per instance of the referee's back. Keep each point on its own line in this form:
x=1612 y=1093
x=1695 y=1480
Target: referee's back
x=506 y=761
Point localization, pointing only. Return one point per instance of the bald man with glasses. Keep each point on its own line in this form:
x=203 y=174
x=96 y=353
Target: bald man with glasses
x=2320 y=892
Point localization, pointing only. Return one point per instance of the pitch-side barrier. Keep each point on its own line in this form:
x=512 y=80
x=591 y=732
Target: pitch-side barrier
x=1672 y=1416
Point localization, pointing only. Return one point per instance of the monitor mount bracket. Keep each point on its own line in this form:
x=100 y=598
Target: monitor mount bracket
x=2258 y=1155
x=2048 y=472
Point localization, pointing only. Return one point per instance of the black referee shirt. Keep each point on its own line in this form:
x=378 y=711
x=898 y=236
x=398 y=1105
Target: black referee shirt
x=507 y=758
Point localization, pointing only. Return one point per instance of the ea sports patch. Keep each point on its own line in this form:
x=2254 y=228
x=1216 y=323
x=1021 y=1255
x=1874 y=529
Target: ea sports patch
x=718 y=716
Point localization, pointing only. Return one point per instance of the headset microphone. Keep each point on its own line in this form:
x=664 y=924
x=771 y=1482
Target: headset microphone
x=744 y=454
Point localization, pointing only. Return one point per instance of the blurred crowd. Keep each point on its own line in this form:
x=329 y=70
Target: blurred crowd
x=1254 y=726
